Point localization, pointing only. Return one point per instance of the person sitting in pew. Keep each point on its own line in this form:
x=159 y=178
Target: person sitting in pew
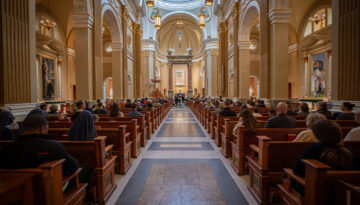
x=308 y=135
x=100 y=109
x=304 y=109
x=227 y=111
x=35 y=147
x=80 y=105
x=44 y=107
x=220 y=108
x=281 y=120
x=115 y=110
x=347 y=113
x=329 y=135
x=321 y=107
x=290 y=112
x=6 y=118
x=83 y=128
x=246 y=120
x=256 y=112
x=134 y=112
x=128 y=103
x=354 y=134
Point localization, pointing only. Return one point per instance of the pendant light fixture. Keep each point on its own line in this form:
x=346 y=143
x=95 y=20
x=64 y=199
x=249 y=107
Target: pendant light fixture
x=157 y=21
x=202 y=20
x=150 y=3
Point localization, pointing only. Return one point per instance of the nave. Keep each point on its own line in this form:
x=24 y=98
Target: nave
x=181 y=165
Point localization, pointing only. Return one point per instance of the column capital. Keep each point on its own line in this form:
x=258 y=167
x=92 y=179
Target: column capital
x=117 y=47
x=293 y=47
x=244 y=45
x=83 y=20
x=279 y=16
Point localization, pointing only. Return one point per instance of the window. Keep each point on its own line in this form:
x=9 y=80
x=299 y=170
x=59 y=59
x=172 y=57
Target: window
x=319 y=20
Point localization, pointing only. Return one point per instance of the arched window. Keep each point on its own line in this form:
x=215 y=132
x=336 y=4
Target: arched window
x=318 y=20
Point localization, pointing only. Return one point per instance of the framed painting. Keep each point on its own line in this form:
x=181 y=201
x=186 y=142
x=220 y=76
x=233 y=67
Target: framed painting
x=48 y=78
x=318 y=76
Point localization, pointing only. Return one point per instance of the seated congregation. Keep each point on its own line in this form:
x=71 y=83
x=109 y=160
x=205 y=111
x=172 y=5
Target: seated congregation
x=71 y=157
x=291 y=154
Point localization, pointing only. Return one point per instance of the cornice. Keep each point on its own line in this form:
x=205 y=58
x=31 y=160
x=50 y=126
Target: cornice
x=83 y=20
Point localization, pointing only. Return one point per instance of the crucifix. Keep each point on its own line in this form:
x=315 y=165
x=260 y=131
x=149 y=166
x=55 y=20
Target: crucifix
x=179 y=38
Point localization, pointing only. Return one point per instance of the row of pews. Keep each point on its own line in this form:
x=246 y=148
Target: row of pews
x=267 y=156
x=119 y=140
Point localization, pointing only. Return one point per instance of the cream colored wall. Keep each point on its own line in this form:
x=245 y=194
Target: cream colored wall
x=107 y=69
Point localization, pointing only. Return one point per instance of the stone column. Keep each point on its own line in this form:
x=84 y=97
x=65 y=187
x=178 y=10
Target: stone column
x=84 y=57
x=98 y=51
x=117 y=70
x=170 y=92
x=279 y=56
x=222 y=59
x=345 y=74
x=147 y=68
x=237 y=70
x=190 y=91
x=264 y=50
x=211 y=70
x=293 y=75
x=17 y=59
x=138 y=73
x=244 y=69
x=125 y=21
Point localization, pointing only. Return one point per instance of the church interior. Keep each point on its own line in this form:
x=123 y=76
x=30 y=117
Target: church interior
x=174 y=102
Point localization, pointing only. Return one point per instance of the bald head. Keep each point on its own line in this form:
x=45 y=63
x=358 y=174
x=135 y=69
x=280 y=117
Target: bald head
x=281 y=108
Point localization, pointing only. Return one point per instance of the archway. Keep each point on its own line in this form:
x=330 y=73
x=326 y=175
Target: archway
x=108 y=88
x=248 y=47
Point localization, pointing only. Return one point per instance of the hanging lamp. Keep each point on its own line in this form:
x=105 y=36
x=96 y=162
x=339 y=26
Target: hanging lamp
x=150 y=3
x=208 y=2
x=202 y=20
x=157 y=21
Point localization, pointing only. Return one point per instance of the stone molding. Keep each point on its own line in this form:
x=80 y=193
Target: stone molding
x=70 y=52
x=293 y=48
x=244 y=45
x=213 y=51
x=83 y=21
x=117 y=47
x=279 y=16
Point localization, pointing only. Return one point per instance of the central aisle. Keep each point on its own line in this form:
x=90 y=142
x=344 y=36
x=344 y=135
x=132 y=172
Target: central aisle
x=181 y=166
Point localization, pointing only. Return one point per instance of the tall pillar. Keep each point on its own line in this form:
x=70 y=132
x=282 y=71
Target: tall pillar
x=279 y=45
x=190 y=90
x=138 y=72
x=98 y=51
x=222 y=59
x=147 y=67
x=170 y=92
x=17 y=58
x=345 y=75
x=211 y=72
x=125 y=21
x=238 y=85
x=117 y=70
x=84 y=56
x=244 y=69
x=264 y=50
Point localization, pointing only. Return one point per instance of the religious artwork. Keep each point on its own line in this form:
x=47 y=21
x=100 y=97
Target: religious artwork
x=153 y=12
x=318 y=75
x=48 y=78
x=180 y=77
x=206 y=11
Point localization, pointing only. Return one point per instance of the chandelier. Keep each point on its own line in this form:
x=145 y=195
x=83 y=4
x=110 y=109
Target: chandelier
x=150 y=3
x=47 y=23
x=208 y=2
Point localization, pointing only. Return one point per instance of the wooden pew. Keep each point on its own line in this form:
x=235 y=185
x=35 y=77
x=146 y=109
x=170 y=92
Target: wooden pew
x=131 y=127
x=227 y=137
x=321 y=185
x=242 y=141
x=219 y=128
x=118 y=137
x=266 y=165
x=99 y=157
x=41 y=186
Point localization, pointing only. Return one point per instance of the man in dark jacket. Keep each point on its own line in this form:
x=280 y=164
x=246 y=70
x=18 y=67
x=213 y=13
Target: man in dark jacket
x=227 y=111
x=281 y=120
x=35 y=147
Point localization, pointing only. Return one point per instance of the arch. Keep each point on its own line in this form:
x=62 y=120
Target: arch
x=309 y=13
x=257 y=84
x=196 y=18
x=115 y=24
x=246 y=19
x=108 y=84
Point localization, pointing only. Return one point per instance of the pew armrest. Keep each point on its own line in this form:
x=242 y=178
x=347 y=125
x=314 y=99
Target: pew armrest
x=263 y=138
x=74 y=175
x=254 y=150
x=108 y=148
x=295 y=177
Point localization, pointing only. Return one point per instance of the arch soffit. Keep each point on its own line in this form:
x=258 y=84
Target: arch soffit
x=314 y=8
x=177 y=13
x=246 y=18
x=114 y=22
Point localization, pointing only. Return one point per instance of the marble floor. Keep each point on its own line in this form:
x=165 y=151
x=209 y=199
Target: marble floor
x=181 y=166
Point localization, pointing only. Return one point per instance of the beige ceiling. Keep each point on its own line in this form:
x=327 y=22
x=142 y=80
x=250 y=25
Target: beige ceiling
x=191 y=37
